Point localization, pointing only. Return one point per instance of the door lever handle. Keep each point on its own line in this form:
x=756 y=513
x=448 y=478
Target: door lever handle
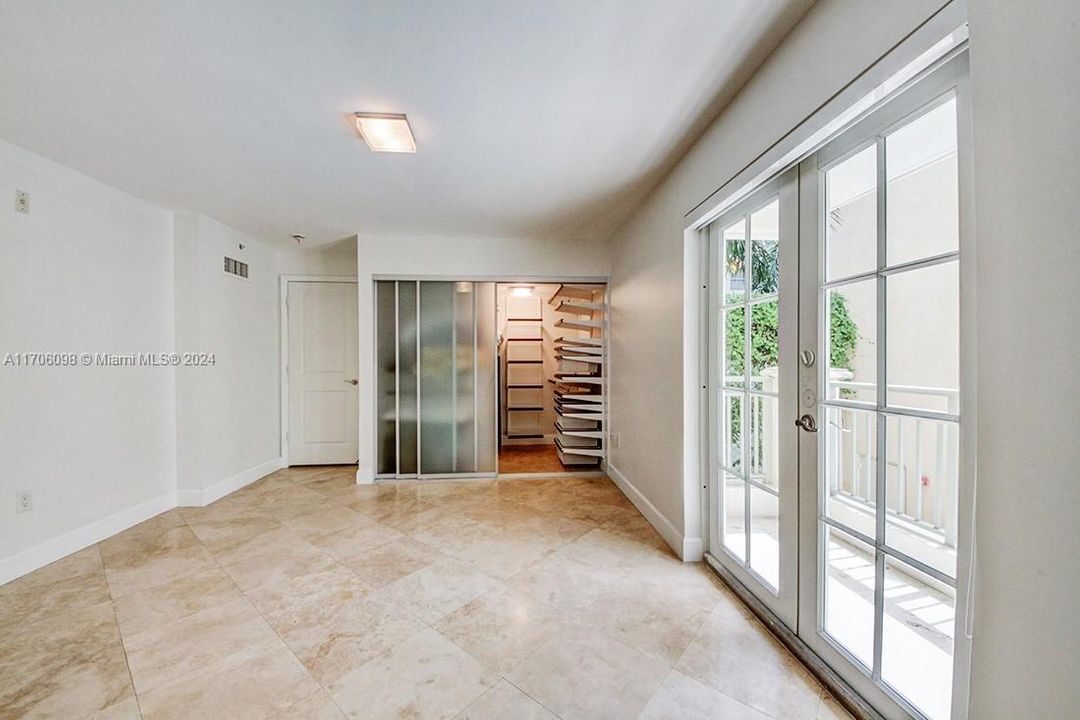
x=353 y=381
x=807 y=423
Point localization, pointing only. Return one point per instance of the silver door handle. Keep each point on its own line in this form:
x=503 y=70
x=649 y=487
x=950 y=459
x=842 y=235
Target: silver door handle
x=353 y=382
x=807 y=423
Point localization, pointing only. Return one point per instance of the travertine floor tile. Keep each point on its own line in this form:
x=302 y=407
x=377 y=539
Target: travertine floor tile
x=252 y=684
x=307 y=597
x=437 y=590
x=163 y=653
x=687 y=699
x=74 y=582
x=357 y=632
x=585 y=675
x=735 y=655
x=316 y=707
x=501 y=628
x=503 y=702
x=63 y=668
x=383 y=565
x=426 y=677
x=156 y=606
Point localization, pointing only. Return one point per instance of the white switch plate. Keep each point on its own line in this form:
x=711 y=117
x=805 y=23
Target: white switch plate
x=24 y=501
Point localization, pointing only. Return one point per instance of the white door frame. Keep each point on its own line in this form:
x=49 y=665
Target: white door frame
x=283 y=346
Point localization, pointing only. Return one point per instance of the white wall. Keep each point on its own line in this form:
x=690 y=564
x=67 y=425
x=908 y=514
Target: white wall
x=477 y=258
x=830 y=47
x=88 y=270
x=228 y=414
x=336 y=258
x=1025 y=76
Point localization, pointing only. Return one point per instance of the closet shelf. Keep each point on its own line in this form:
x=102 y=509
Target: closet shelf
x=579 y=432
x=579 y=324
x=512 y=386
x=524 y=339
x=524 y=362
x=580 y=307
x=571 y=450
x=595 y=359
x=571 y=290
x=585 y=341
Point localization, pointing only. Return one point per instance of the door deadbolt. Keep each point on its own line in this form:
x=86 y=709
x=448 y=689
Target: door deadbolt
x=807 y=357
x=807 y=423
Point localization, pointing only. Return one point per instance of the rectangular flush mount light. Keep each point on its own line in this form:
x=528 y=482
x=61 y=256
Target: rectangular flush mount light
x=386 y=132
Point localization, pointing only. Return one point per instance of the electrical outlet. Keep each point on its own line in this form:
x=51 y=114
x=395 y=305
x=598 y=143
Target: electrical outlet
x=24 y=501
x=22 y=202
x=614 y=440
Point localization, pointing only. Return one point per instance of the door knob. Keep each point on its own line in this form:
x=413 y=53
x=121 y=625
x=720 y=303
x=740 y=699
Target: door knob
x=807 y=423
x=354 y=381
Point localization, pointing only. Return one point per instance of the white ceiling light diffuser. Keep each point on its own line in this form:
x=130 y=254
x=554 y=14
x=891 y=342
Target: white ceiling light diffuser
x=384 y=132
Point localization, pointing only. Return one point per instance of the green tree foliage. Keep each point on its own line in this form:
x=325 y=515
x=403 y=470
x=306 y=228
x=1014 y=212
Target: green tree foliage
x=764 y=343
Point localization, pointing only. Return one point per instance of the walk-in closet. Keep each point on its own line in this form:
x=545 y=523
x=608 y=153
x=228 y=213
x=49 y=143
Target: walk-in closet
x=485 y=378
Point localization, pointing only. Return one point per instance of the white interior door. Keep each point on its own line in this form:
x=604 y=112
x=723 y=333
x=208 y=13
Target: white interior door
x=322 y=373
x=754 y=478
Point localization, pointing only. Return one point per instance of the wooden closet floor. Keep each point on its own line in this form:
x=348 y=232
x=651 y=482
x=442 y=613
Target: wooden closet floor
x=541 y=457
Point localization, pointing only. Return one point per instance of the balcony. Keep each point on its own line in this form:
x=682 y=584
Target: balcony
x=921 y=461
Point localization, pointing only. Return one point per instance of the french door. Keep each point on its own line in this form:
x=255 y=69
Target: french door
x=753 y=297
x=851 y=528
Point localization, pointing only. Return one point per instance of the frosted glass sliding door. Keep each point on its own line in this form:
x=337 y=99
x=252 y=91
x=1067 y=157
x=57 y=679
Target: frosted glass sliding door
x=436 y=393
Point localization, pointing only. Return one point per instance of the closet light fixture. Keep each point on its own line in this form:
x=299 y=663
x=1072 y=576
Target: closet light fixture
x=521 y=291
x=384 y=132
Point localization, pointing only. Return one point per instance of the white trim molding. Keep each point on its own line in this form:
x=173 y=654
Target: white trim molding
x=83 y=537
x=689 y=549
x=205 y=496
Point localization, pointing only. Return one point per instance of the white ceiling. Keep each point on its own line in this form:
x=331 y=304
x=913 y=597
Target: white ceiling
x=532 y=119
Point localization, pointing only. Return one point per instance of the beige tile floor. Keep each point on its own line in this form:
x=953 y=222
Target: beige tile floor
x=305 y=596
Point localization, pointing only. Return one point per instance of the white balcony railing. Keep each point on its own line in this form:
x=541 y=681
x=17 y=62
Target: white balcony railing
x=921 y=453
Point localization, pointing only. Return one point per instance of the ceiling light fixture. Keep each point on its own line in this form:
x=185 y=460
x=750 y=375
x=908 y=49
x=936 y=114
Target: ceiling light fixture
x=385 y=132
x=521 y=291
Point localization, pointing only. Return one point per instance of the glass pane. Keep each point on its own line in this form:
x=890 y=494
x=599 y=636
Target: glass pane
x=764 y=345
x=734 y=514
x=763 y=461
x=849 y=593
x=731 y=437
x=765 y=250
x=407 y=408
x=851 y=333
x=765 y=535
x=734 y=346
x=436 y=377
x=922 y=194
x=734 y=262
x=386 y=360
x=464 y=364
x=923 y=338
x=851 y=215
x=850 y=449
x=921 y=474
x=917 y=638
x=485 y=376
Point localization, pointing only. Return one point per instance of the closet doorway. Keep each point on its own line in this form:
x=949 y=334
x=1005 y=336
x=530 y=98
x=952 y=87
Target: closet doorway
x=481 y=378
x=551 y=392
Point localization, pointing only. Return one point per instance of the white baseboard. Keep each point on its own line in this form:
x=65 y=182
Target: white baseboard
x=52 y=550
x=365 y=476
x=689 y=549
x=201 y=498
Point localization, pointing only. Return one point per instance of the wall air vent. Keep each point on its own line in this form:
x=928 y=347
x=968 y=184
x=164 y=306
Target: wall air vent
x=235 y=267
